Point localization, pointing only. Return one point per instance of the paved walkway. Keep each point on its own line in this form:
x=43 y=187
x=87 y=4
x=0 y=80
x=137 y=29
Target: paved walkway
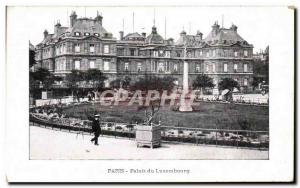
x=51 y=144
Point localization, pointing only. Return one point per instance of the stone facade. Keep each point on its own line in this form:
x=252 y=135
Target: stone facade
x=86 y=44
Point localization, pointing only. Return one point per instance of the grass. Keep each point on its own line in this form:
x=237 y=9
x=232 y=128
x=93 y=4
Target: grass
x=205 y=115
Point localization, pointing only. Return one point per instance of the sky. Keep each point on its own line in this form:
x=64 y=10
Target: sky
x=254 y=23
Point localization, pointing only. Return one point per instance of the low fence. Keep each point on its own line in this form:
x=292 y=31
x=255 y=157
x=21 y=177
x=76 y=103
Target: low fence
x=222 y=137
x=238 y=99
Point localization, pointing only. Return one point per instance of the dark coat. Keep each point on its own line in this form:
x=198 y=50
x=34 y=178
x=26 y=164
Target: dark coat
x=96 y=127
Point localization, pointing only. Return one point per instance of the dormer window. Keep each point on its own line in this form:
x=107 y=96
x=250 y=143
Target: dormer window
x=86 y=34
x=96 y=34
x=77 y=34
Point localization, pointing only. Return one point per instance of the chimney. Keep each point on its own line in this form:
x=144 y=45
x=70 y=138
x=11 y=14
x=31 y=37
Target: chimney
x=144 y=34
x=216 y=28
x=45 y=33
x=121 y=35
x=73 y=18
x=233 y=27
x=199 y=34
x=99 y=18
x=56 y=28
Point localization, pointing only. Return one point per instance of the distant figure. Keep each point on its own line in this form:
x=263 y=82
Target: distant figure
x=96 y=129
x=89 y=96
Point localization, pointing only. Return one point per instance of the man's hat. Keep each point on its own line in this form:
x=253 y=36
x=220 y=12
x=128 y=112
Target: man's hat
x=97 y=116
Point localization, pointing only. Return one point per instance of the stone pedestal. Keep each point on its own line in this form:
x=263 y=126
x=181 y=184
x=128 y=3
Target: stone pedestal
x=185 y=107
x=148 y=135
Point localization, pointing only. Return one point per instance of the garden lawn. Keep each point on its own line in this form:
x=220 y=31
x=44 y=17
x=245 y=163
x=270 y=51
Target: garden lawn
x=205 y=115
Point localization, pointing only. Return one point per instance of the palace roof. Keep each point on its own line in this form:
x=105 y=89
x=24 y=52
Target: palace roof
x=227 y=37
x=87 y=25
x=154 y=37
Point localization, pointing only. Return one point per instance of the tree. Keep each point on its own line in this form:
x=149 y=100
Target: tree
x=151 y=82
x=126 y=81
x=203 y=81
x=73 y=80
x=44 y=76
x=32 y=61
x=228 y=83
x=96 y=77
x=121 y=82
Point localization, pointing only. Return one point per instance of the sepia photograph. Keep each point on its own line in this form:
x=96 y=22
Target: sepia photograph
x=150 y=93
x=183 y=92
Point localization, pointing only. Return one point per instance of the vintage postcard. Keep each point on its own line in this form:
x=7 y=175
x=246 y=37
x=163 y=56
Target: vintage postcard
x=150 y=93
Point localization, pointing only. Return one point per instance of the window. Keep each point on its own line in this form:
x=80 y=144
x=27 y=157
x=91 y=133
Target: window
x=106 y=49
x=92 y=48
x=175 y=67
x=86 y=34
x=245 y=82
x=235 y=54
x=61 y=65
x=214 y=53
x=207 y=54
x=92 y=64
x=235 y=67
x=68 y=65
x=207 y=68
x=167 y=68
x=154 y=66
x=131 y=52
x=245 y=67
x=77 y=64
x=200 y=52
x=96 y=34
x=155 y=53
x=167 y=54
x=77 y=48
x=139 y=67
x=213 y=67
x=126 y=66
x=197 y=67
x=77 y=33
x=245 y=53
x=160 y=67
x=106 y=65
x=225 y=67
x=120 y=51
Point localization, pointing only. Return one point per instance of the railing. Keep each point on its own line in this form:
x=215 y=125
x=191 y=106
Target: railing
x=236 y=99
x=221 y=137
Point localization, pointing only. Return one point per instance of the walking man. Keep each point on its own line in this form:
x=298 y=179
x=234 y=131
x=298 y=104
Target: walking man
x=96 y=129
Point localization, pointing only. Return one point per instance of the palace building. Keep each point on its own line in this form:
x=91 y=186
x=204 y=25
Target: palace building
x=86 y=44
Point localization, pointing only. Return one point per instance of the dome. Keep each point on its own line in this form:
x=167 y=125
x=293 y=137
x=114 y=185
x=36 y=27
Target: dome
x=134 y=37
x=154 y=37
